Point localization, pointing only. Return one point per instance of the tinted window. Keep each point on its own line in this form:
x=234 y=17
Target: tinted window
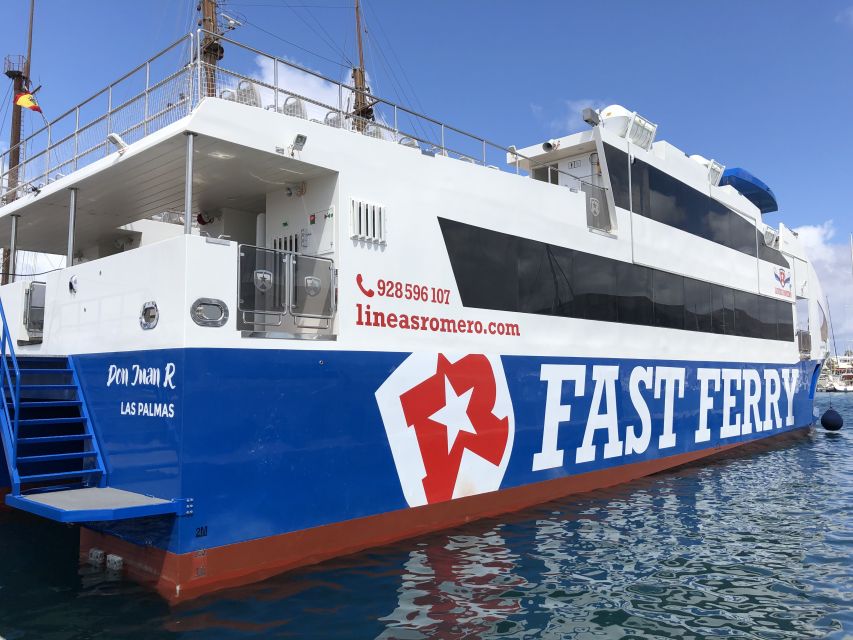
x=485 y=265
x=668 y=299
x=664 y=198
x=722 y=310
x=617 y=167
x=538 y=285
x=771 y=255
x=494 y=270
x=715 y=226
x=635 y=294
x=785 y=320
x=697 y=305
x=747 y=321
x=768 y=315
x=547 y=173
x=741 y=235
x=594 y=280
x=640 y=188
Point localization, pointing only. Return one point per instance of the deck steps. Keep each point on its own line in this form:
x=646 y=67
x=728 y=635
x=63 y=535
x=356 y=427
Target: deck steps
x=53 y=456
x=54 y=444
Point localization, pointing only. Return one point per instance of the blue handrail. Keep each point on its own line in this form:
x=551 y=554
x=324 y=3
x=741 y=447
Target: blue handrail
x=10 y=431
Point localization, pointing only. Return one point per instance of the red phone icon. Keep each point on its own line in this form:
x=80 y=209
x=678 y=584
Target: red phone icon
x=359 y=280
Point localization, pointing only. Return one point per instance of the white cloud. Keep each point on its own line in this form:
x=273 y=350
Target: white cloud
x=845 y=17
x=831 y=258
x=571 y=120
x=319 y=96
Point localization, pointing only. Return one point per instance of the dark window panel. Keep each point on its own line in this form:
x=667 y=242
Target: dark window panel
x=635 y=294
x=617 y=167
x=496 y=271
x=785 y=320
x=771 y=255
x=544 y=279
x=640 y=188
x=722 y=310
x=768 y=317
x=697 y=305
x=485 y=264
x=716 y=225
x=742 y=235
x=594 y=280
x=669 y=300
x=747 y=321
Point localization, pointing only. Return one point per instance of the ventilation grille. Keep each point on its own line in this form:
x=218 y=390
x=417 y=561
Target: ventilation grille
x=367 y=222
x=286 y=243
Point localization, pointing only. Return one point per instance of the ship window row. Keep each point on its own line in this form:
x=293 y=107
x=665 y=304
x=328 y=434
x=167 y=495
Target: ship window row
x=659 y=196
x=498 y=271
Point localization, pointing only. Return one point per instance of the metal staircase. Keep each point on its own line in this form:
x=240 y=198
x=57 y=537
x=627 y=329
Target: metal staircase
x=54 y=445
x=55 y=465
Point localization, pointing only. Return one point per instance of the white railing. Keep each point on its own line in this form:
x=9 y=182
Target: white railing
x=169 y=85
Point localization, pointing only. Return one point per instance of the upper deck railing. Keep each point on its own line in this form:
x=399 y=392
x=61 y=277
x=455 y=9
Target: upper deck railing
x=172 y=83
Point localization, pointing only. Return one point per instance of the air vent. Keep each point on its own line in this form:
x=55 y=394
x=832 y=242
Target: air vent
x=367 y=222
x=287 y=243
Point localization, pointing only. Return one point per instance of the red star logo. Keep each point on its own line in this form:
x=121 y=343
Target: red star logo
x=451 y=411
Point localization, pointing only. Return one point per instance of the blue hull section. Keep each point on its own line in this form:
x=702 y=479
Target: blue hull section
x=268 y=442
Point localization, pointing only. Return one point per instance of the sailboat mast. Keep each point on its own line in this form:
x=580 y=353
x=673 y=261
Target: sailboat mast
x=18 y=71
x=362 y=109
x=211 y=47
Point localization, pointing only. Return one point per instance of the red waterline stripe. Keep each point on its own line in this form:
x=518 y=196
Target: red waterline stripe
x=180 y=577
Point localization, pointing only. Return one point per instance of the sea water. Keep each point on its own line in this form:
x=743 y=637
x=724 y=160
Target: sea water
x=748 y=546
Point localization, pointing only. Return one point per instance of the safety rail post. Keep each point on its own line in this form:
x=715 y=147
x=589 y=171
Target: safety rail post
x=109 y=117
x=145 y=108
x=275 y=83
x=47 y=158
x=76 y=134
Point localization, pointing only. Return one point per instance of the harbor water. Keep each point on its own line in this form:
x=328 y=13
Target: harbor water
x=754 y=545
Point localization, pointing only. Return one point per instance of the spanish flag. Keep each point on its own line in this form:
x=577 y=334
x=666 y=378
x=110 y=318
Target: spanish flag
x=27 y=101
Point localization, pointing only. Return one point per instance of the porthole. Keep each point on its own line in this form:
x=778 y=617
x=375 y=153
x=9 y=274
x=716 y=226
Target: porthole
x=149 y=316
x=209 y=312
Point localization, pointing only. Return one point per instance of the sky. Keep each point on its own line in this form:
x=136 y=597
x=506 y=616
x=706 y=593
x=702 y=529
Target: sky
x=766 y=85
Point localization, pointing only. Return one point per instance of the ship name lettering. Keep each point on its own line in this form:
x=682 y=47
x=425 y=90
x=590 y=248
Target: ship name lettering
x=740 y=401
x=139 y=376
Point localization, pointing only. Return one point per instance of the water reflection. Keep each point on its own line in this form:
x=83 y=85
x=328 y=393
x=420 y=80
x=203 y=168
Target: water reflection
x=756 y=547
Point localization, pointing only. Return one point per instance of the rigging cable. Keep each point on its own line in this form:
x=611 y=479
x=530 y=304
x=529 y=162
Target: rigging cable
x=293 y=44
x=6 y=108
x=402 y=94
x=327 y=39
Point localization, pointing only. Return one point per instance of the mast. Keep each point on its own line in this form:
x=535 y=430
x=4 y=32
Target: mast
x=211 y=48
x=362 y=110
x=18 y=71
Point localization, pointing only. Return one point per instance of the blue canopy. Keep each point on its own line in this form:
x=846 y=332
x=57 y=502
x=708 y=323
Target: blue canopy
x=751 y=187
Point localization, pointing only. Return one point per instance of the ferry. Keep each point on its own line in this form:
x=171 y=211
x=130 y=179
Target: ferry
x=296 y=320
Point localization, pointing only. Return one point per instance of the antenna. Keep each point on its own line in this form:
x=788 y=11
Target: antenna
x=231 y=23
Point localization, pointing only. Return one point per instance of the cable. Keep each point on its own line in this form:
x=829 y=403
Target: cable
x=278 y=6
x=6 y=108
x=326 y=39
x=402 y=94
x=293 y=44
x=29 y=275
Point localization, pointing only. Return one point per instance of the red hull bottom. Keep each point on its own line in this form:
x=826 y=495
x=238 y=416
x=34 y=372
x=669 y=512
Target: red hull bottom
x=180 y=577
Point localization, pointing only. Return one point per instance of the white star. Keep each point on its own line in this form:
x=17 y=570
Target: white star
x=454 y=414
